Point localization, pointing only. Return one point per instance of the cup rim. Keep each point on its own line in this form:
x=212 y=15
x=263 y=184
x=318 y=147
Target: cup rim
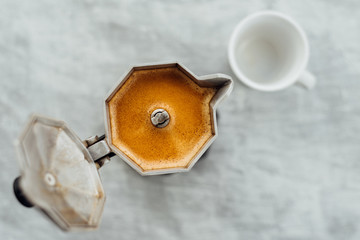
x=239 y=73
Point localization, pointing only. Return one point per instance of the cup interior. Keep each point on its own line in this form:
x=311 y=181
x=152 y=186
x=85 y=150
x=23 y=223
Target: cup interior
x=268 y=51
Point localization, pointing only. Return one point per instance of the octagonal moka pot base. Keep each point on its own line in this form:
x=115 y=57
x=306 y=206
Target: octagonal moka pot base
x=159 y=118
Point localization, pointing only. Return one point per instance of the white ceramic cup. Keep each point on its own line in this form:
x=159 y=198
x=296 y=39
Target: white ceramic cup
x=269 y=51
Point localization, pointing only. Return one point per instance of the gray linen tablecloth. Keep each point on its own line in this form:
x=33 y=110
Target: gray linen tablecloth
x=286 y=165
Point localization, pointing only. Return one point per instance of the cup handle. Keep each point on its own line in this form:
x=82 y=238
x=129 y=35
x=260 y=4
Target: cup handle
x=307 y=79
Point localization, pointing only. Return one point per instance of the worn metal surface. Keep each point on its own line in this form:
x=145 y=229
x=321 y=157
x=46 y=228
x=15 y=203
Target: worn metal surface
x=58 y=175
x=285 y=165
x=99 y=150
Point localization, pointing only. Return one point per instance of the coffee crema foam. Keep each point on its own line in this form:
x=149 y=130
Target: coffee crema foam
x=190 y=126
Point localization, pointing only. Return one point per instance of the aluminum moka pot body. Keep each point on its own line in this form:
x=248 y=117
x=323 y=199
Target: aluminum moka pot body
x=59 y=172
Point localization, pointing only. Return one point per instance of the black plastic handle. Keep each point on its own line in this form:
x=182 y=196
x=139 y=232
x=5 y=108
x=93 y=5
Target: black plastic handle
x=19 y=194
